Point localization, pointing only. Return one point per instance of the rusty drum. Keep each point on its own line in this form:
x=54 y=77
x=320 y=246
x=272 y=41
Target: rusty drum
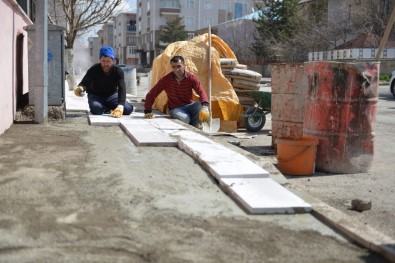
x=340 y=110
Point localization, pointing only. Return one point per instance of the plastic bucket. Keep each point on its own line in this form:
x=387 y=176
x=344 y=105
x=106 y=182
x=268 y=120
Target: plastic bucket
x=297 y=156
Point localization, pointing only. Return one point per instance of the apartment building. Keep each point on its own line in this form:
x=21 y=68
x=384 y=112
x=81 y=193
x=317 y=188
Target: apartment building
x=106 y=37
x=94 y=48
x=124 y=38
x=152 y=16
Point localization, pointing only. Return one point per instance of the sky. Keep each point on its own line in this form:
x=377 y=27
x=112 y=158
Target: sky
x=130 y=5
x=127 y=6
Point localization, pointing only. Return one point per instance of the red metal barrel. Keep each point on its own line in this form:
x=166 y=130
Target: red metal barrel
x=340 y=111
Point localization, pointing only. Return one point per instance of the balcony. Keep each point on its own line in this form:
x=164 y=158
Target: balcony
x=170 y=7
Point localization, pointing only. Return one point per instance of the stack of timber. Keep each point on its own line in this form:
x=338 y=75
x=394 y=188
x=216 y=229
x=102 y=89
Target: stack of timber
x=242 y=79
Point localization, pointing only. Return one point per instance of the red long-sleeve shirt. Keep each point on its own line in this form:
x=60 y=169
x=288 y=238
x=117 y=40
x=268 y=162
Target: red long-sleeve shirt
x=179 y=93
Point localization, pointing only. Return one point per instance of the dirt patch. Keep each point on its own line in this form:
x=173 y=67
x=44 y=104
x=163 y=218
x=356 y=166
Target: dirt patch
x=78 y=193
x=27 y=114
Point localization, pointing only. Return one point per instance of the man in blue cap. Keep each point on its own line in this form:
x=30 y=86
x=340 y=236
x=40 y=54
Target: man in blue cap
x=105 y=84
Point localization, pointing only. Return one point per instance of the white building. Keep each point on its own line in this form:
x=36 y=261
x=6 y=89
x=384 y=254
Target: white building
x=152 y=15
x=124 y=38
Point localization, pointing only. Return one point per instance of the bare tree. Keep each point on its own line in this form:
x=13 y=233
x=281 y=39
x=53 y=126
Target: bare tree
x=345 y=24
x=373 y=19
x=237 y=34
x=78 y=17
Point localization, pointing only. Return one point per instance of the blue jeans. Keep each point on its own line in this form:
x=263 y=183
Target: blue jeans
x=188 y=113
x=99 y=105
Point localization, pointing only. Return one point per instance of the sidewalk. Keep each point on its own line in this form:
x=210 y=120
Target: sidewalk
x=72 y=192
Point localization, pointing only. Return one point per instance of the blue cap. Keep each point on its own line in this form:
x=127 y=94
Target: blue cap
x=107 y=51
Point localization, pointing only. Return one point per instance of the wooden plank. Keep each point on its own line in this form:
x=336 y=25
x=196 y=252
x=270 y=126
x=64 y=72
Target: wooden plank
x=263 y=196
x=228 y=126
x=360 y=233
x=387 y=31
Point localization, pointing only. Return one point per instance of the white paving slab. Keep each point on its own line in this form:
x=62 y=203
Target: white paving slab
x=165 y=124
x=219 y=160
x=103 y=120
x=248 y=183
x=140 y=116
x=264 y=196
x=74 y=103
x=144 y=134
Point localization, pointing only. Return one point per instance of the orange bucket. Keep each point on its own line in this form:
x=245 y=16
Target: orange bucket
x=297 y=156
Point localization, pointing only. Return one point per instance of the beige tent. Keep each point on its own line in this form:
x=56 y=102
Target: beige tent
x=224 y=101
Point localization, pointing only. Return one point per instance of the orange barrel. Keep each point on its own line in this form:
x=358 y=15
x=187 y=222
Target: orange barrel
x=289 y=85
x=340 y=111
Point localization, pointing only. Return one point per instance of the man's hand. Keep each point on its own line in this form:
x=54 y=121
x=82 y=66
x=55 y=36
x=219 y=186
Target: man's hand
x=117 y=113
x=79 y=91
x=204 y=114
x=149 y=116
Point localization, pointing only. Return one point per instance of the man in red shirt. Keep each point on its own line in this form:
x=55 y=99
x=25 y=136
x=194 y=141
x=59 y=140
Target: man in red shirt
x=178 y=86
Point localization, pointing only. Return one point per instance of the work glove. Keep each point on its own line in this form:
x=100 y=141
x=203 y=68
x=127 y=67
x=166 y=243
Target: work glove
x=117 y=113
x=204 y=114
x=149 y=116
x=79 y=91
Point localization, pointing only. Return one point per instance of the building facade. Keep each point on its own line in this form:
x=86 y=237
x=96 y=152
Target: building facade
x=124 y=38
x=152 y=16
x=14 y=61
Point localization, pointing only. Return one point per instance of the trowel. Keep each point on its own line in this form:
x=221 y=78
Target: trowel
x=212 y=125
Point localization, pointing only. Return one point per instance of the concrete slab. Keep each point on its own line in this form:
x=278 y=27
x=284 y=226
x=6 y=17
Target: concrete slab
x=263 y=196
x=144 y=134
x=140 y=116
x=238 y=175
x=220 y=161
x=166 y=124
x=103 y=120
x=76 y=104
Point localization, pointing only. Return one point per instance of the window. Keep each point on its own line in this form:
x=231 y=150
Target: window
x=131 y=40
x=207 y=21
x=131 y=51
x=29 y=6
x=170 y=4
x=225 y=5
x=189 y=21
x=191 y=35
x=208 y=4
x=190 y=4
x=131 y=26
x=240 y=9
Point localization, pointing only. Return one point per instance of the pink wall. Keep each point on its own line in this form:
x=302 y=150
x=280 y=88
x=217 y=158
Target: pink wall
x=13 y=21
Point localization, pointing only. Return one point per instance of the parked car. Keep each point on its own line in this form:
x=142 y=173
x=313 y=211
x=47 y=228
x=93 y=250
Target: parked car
x=392 y=83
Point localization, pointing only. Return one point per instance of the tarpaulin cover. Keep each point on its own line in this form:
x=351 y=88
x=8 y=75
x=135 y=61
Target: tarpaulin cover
x=224 y=101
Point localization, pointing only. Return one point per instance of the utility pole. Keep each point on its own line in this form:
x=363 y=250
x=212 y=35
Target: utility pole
x=40 y=85
x=387 y=31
